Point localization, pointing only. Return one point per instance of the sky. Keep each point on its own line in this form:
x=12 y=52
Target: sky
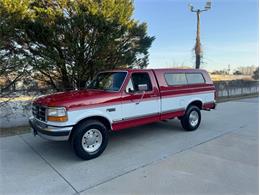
x=229 y=32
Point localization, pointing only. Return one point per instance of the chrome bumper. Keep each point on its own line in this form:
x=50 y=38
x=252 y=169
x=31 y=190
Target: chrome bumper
x=49 y=132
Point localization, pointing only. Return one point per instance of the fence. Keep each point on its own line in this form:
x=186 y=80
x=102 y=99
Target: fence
x=233 y=88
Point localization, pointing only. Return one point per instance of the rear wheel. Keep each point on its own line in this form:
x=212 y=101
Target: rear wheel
x=89 y=139
x=191 y=120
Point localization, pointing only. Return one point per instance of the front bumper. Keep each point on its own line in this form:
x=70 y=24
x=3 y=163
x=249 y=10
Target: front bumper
x=55 y=133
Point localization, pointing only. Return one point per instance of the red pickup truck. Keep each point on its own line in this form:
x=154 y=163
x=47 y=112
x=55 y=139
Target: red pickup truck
x=120 y=99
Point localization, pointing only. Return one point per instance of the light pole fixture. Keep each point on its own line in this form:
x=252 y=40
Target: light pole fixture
x=198 y=50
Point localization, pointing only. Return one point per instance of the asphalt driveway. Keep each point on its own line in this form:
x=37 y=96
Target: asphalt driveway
x=220 y=157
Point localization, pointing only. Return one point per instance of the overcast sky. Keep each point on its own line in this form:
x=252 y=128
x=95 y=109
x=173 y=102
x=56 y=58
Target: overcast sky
x=229 y=32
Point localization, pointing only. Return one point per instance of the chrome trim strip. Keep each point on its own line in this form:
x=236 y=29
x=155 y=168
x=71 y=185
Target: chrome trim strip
x=147 y=115
x=173 y=110
x=141 y=116
x=137 y=116
x=54 y=138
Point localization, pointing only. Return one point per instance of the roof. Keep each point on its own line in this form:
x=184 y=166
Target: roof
x=160 y=70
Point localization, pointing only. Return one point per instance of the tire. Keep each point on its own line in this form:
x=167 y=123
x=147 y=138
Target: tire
x=89 y=139
x=191 y=120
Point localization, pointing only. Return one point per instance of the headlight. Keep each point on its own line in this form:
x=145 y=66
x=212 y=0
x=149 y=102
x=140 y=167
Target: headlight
x=57 y=114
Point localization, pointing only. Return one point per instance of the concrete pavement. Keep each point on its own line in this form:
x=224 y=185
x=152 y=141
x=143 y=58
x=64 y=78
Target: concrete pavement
x=160 y=158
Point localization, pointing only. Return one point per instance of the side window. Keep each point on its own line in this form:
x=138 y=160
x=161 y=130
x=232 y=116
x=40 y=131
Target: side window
x=138 y=79
x=195 y=78
x=175 y=78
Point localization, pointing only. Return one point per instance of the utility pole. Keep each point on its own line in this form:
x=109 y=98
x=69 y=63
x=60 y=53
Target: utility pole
x=229 y=69
x=198 y=50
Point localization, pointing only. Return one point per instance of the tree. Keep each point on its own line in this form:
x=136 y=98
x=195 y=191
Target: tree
x=256 y=74
x=68 y=42
x=237 y=73
x=220 y=72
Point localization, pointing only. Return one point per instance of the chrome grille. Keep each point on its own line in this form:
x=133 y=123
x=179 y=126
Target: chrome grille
x=39 y=112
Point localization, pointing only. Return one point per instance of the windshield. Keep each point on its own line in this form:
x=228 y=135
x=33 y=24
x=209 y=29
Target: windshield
x=111 y=81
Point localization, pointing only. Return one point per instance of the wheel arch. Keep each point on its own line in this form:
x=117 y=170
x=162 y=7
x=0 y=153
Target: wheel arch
x=197 y=103
x=99 y=118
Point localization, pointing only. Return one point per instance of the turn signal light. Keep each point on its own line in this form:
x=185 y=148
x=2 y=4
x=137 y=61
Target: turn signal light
x=58 y=118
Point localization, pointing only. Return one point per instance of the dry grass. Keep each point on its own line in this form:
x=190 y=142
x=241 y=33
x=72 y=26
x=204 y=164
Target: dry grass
x=20 y=98
x=230 y=77
x=4 y=132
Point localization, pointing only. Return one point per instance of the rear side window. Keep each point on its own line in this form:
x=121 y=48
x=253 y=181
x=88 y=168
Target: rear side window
x=175 y=78
x=184 y=78
x=195 y=78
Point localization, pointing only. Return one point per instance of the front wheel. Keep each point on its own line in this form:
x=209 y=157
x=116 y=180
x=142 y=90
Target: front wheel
x=191 y=120
x=89 y=139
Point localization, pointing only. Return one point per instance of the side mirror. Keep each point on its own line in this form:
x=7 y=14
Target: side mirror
x=129 y=90
x=142 y=87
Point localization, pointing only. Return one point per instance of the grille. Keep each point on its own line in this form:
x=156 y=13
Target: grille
x=39 y=112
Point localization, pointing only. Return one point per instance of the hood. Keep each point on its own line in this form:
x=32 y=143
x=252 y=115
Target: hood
x=75 y=99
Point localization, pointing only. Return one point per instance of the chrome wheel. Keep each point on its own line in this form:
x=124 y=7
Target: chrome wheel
x=194 y=118
x=92 y=140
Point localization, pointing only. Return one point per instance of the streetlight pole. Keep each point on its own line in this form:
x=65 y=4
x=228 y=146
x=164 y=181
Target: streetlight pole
x=198 y=50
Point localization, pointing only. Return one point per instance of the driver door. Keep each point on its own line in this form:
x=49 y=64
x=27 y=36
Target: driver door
x=140 y=107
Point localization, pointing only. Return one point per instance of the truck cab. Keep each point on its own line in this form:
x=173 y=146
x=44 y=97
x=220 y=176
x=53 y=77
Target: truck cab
x=120 y=99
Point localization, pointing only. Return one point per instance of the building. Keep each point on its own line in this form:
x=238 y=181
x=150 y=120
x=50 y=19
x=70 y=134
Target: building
x=247 y=70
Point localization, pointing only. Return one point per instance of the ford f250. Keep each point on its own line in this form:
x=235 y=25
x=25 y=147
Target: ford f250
x=120 y=99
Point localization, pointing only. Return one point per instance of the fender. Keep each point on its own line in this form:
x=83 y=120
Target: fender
x=203 y=98
x=76 y=116
x=194 y=100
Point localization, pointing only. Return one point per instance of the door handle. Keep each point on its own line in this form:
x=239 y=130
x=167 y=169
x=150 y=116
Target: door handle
x=135 y=101
x=111 y=109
